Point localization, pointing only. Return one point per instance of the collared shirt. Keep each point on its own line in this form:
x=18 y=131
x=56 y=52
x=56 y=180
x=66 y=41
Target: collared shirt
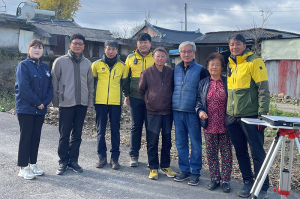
x=216 y=104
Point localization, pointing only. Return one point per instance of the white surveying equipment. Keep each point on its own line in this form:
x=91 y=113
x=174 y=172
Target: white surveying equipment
x=286 y=127
x=28 y=11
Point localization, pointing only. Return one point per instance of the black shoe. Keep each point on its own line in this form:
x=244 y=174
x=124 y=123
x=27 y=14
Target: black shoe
x=75 y=167
x=134 y=161
x=262 y=194
x=226 y=187
x=181 y=177
x=101 y=163
x=213 y=184
x=245 y=191
x=114 y=164
x=62 y=169
x=194 y=180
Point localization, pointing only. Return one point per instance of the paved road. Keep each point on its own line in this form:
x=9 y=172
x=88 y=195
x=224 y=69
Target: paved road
x=92 y=183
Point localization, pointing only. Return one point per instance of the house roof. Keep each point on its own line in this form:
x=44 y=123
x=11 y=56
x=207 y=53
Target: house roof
x=171 y=36
x=261 y=33
x=44 y=27
x=11 y=20
x=45 y=30
x=68 y=23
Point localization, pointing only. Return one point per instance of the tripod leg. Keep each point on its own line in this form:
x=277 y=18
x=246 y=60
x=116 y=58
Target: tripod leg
x=264 y=170
x=298 y=145
x=285 y=174
x=290 y=163
x=282 y=159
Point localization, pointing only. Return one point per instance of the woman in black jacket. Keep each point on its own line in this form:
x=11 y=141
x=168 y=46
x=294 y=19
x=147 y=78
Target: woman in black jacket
x=211 y=108
x=33 y=93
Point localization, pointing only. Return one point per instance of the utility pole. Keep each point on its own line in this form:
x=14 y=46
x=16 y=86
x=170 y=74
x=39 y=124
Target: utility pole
x=181 y=25
x=185 y=15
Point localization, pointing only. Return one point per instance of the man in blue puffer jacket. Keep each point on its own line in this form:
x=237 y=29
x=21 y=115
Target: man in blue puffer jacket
x=187 y=75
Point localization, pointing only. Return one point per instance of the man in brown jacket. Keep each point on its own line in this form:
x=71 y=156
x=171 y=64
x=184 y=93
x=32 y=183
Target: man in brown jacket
x=156 y=89
x=73 y=88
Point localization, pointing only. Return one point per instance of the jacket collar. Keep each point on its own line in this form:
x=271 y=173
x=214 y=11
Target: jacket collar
x=155 y=68
x=35 y=61
x=103 y=59
x=239 y=59
x=137 y=54
x=72 y=56
x=190 y=65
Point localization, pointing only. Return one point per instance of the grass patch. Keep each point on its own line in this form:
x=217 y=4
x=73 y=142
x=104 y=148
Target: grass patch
x=7 y=101
x=273 y=110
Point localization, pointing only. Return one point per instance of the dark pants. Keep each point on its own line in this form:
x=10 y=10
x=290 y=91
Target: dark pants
x=138 y=114
x=114 y=112
x=155 y=123
x=240 y=134
x=71 y=121
x=30 y=128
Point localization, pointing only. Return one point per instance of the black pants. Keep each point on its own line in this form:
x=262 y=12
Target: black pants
x=138 y=113
x=155 y=124
x=30 y=128
x=114 y=112
x=240 y=133
x=71 y=121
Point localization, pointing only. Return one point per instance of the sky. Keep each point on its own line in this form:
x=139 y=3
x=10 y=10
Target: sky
x=206 y=15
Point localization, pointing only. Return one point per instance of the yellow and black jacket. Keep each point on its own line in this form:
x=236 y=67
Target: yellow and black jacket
x=248 y=87
x=135 y=64
x=109 y=82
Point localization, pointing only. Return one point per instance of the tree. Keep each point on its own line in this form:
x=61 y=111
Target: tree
x=65 y=9
x=121 y=32
x=258 y=33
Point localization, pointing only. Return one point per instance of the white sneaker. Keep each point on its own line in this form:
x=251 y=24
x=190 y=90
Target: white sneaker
x=36 y=170
x=26 y=173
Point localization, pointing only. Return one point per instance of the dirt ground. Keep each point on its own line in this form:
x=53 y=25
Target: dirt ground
x=288 y=107
x=90 y=129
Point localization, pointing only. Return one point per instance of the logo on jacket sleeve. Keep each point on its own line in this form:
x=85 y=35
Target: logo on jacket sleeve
x=103 y=68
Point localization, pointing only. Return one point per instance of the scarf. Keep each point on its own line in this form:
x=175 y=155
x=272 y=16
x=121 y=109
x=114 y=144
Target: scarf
x=76 y=58
x=111 y=62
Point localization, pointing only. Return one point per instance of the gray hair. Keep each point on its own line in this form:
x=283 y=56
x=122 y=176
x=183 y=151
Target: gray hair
x=187 y=43
x=160 y=49
x=112 y=44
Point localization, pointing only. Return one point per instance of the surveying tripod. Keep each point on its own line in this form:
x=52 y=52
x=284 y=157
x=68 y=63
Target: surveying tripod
x=285 y=173
x=287 y=127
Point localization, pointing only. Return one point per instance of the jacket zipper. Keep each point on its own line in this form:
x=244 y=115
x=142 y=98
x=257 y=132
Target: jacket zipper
x=114 y=74
x=162 y=83
x=63 y=93
x=234 y=73
x=183 y=78
x=109 y=81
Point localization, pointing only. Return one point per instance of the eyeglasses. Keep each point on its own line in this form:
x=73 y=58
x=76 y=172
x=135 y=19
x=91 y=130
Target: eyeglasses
x=111 y=49
x=188 y=52
x=77 y=44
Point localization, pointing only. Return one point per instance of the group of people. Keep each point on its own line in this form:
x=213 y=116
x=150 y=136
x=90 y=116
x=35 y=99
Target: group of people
x=191 y=95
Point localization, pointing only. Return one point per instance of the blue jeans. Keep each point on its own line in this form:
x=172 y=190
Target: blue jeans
x=188 y=125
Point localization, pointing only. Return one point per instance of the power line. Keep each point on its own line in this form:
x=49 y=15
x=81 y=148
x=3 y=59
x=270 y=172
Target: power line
x=191 y=23
x=172 y=18
x=194 y=15
x=129 y=12
x=107 y=14
x=234 y=10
